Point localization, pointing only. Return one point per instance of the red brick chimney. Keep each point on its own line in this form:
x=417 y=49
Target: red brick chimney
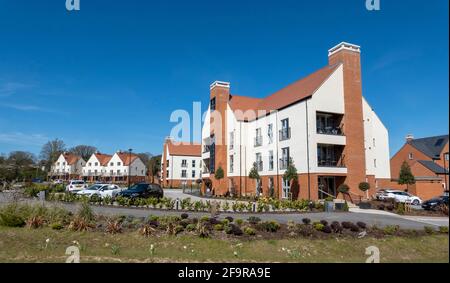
x=355 y=159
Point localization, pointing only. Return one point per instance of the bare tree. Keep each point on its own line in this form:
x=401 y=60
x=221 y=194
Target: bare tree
x=85 y=151
x=50 y=152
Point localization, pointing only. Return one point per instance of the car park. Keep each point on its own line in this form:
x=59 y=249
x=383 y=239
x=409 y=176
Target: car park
x=75 y=186
x=435 y=203
x=143 y=190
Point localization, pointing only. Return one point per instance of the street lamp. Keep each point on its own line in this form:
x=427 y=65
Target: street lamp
x=129 y=166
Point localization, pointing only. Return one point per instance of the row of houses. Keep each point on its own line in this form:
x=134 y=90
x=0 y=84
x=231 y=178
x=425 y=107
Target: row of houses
x=100 y=167
x=321 y=123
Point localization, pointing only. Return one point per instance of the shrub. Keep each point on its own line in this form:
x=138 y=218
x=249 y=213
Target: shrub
x=391 y=229
x=354 y=228
x=390 y=207
x=429 y=230
x=11 y=216
x=204 y=219
x=113 y=227
x=361 y=225
x=229 y=218
x=35 y=222
x=327 y=229
x=346 y=225
x=239 y=222
x=202 y=230
x=305 y=230
x=185 y=222
x=336 y=227
x=178 y=229
x=79 y=224
x=343 y=188
x=146 y=230
x=381 y=207
x=249 y=231
x=324 y=222
x=184 y=216
x=254 y=220
x=214 y=221
x=225 y=222
x=218 y=227
x=269 y=226
x=233 y=230
x=318 y=226
x=191 y=227
x=443 y=229
x=225 y=206
x=364 y=186
x=400 y=208
x=85 y=212
x=306 y=221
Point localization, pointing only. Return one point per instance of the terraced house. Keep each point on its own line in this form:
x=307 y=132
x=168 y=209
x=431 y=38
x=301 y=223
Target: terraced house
x=180 y=164
x=95 y=169
x=67 y=166
x=321 y=123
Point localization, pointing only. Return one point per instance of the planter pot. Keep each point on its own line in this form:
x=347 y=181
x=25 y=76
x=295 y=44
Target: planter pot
x=365 y=205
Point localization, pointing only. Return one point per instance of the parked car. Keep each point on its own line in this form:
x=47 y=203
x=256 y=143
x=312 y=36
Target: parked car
x=58 y=181
x=401 y=196
x=435 y=203
x=143 y=190
x=75 y=186
x=379 y=195
x=101 y=190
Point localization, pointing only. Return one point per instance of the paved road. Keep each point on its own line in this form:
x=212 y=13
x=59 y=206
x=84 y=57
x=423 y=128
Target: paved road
x=380 y=220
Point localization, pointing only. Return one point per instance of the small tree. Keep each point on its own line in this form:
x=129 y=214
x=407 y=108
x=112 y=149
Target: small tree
x=343 y=189
x=291 y=176
x=406 y=177
x=364 y=187
x=254 y=175
x=219 y=175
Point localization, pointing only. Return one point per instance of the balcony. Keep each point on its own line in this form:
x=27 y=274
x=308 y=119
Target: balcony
x=258 y=141
x=206 y=148
x=285 y=134
x=329 y=124
x=330 y=156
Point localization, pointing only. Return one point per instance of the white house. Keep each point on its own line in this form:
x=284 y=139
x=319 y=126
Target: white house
x=123 y=165
x=95 y=169
x=180 y=164
x=321 y=123
x=67 y=166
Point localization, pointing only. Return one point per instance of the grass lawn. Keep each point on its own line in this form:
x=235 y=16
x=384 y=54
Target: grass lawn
x=27 y=245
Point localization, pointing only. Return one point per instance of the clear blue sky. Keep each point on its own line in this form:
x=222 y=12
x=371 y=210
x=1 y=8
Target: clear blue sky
x=111 y=74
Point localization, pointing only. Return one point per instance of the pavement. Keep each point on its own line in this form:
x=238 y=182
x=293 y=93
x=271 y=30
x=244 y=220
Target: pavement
x=370 y=217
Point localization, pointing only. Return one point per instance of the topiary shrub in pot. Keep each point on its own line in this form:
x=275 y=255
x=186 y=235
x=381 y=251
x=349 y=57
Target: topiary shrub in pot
x=364 y=187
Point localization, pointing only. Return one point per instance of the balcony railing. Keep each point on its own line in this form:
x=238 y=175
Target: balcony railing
x=285 y=134
x=258 y=141
x=206 y=149
x=184 y=165
x=335 y=131
x=331 y=163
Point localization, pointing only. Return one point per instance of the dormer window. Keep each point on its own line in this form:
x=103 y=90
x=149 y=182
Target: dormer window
x=410 y=156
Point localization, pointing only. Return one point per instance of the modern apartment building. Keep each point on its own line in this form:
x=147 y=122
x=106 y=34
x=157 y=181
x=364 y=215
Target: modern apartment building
x=67 y=166
x=321 y=123
x=429 y=161
x=180 y=164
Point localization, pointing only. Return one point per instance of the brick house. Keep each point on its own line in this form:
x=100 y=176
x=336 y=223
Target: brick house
x=321 y=122
x=428 y=158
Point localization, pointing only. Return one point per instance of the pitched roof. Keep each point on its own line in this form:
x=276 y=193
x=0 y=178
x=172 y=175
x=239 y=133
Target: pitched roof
x=71 y=158
x=435 y=168
x=184 y=149
x=299 y=90
x=431 y=146
x=127 y=158
x=103 y=158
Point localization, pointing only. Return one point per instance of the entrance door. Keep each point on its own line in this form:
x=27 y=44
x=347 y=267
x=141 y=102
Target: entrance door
x=327 y=186
x=286 y=189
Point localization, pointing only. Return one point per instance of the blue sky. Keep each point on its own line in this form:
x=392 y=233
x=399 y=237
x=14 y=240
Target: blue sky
x=111 y=74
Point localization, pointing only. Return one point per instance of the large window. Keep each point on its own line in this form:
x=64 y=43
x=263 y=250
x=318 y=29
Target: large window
x=285 y=156
x=184 y=163
x=330 y=155
x=270 y=133
x=213 y=104
x=328 y=123
x=285 y=132
x=183 y=174
x=193 y=174
x=270 y=160
x=231 y=163
x=259 y=162
x=258 y=137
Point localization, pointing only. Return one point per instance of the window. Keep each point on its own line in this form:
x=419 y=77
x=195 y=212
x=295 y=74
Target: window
x=286 y=189
x=90 y=164
x=183 y=174
x=57 y=163
x=95 y=171
x=284 y=158
x=96 y=163
x=270 y=133
x=213 y=104
x=231 y=163
x=193 y=163
x=446 y=157
x=184 y=163
x=285 y=132
x=410 y=156
x=167 y=174
x=258 y=137
x=111 y=164
x=374 y=143
x=118 y=171
x=270 y=160
x=64 y=163
x=193 y=173
x=118 y=163
x=232 y=140
x=167 y=163
x=259 y=162
x=375 y=163
x=111 y=172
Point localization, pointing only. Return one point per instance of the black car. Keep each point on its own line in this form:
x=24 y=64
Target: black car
x=435 y=203
x=143 y=190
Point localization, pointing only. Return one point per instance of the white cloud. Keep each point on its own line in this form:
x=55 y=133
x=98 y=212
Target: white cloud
x=10 y=88
x=18 y=138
